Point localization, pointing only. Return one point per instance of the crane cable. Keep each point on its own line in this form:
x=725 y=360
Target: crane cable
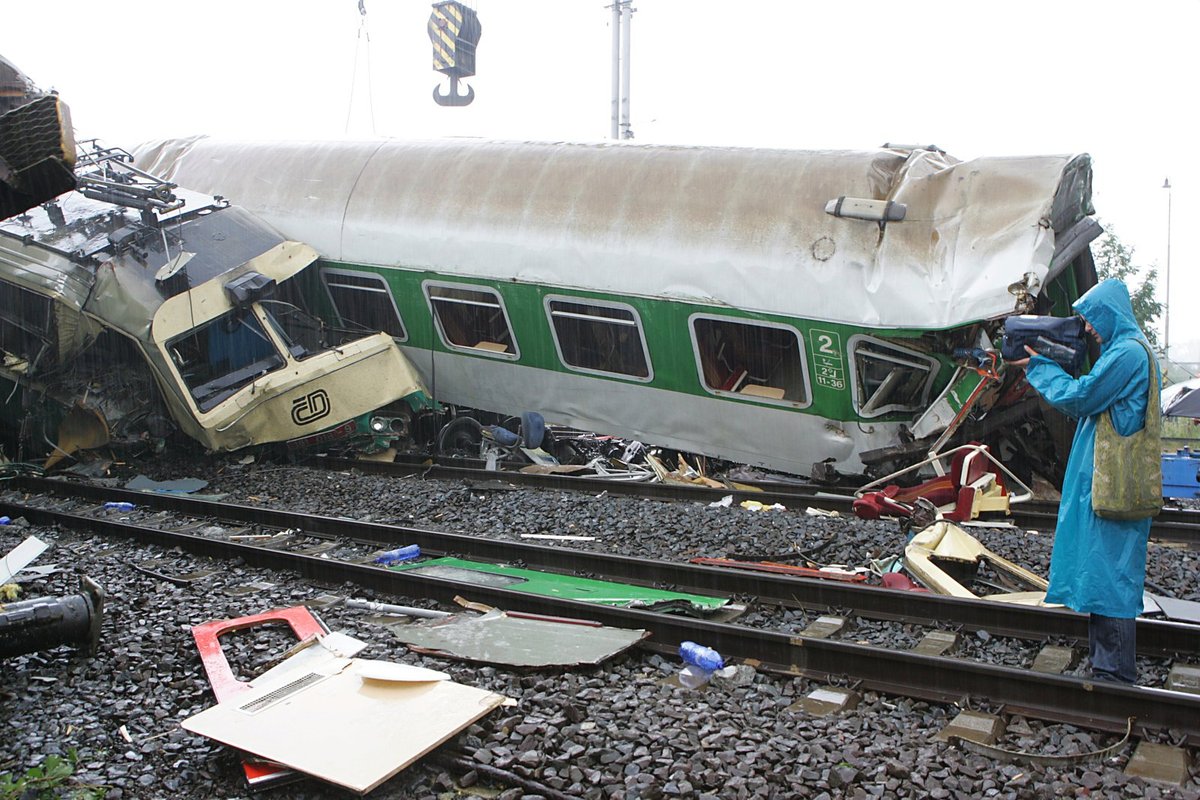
x=363 y=33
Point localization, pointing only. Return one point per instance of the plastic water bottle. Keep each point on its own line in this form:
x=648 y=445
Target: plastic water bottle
x=699 y=664
x=400 y=554
x=700 y=656
x=119 y=506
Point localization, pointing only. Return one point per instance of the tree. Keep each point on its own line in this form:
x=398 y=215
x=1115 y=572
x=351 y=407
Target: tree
x=1114 y=259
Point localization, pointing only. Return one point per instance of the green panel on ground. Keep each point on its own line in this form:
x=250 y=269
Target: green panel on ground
x=568 y=587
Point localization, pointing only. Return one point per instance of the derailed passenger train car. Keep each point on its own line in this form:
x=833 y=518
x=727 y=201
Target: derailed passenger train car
x=781 y=308
x=130 y=307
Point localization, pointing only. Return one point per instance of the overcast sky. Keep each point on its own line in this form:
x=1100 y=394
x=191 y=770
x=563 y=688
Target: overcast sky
x=1109 y=78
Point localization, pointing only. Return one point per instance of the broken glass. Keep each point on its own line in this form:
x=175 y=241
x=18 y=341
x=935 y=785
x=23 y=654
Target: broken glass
x=217 y=359
x=890 y=378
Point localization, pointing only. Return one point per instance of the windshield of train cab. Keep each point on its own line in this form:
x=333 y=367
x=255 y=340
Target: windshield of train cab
x=219 y=358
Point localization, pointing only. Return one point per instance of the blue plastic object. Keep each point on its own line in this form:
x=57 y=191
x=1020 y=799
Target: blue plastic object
x=119 y=506
x=1181 y=474
x=5 y=520
x=400 y=554
x=700 y=656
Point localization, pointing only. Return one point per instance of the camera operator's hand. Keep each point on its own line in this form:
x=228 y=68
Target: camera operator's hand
x=1024 y=362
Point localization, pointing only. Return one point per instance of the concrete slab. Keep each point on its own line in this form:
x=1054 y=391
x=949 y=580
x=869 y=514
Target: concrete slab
x=1159 y=762
x=1184 y=678
x=975 y=726
x=826 y=700
x=824 y=628
x=937 y=643
x=1054 y=660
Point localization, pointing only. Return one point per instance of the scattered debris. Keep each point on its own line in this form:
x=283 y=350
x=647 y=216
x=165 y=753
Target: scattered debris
x=349 y=722
x=517 y=639
x=388 y=608
x=754 y=505
x=20 y=557
x=974 y=484
x=829 y=573
x=227 y=687
x=945 y=558
x=820 y=512
x=141 y=483
x=564 y=586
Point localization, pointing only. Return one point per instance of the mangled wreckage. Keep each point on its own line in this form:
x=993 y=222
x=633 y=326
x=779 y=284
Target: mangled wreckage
x=802 y=311
x=130 y=308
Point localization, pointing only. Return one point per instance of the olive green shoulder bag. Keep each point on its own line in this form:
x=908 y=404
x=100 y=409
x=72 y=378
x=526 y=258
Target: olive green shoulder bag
x=1127 y=470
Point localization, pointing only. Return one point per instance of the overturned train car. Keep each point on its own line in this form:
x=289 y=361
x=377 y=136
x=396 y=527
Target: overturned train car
x=796 y=310
x=130 y=308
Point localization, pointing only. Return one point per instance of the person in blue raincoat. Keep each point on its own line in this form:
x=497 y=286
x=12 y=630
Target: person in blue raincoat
x=1098 y=565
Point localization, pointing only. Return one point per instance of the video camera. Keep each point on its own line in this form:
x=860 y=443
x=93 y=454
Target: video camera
x=1061 y=339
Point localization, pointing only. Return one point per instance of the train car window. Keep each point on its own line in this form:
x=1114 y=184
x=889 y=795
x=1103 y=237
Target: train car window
x=217 y=359
x=472 y=319
x=889 y=378
x=593 y=337
x=364 y=302
x=753 y=360
x=27 y=325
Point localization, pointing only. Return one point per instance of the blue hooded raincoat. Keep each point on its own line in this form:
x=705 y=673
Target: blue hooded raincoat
x=1098 y=565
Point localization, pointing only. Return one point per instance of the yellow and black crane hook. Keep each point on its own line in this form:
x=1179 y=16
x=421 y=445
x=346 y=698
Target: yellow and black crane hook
x=454 y=30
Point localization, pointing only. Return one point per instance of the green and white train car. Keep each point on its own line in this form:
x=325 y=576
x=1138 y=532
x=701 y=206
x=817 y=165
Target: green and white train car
x=774 y=307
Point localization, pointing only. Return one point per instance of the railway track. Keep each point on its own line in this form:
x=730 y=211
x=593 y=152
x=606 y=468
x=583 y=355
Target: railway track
x=186 y=523
x=1171 y=525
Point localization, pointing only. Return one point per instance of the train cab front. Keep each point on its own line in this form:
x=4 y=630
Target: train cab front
x=250 y=366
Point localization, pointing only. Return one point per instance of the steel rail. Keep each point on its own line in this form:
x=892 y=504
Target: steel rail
x=1154 y=637
x=1171 y=525
x=1053 y=697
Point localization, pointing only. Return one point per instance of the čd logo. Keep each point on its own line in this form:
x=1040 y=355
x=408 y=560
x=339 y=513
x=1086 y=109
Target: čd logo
x=310 y=408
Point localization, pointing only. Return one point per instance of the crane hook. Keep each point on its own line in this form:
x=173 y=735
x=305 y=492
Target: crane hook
x=453 y=98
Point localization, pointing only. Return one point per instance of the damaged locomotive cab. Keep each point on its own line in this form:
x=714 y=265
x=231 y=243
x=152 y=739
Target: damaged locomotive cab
x=131 y=307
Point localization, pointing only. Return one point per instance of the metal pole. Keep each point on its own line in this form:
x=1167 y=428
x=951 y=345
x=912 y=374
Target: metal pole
x=626 y=24
x=1167 y=279
x=616 y=68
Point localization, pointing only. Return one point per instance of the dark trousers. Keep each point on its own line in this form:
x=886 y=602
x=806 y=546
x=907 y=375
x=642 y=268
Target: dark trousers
x=1111 y=646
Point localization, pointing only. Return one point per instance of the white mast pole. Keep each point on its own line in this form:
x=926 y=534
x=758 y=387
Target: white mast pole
x=626 y=25
x=616 y=68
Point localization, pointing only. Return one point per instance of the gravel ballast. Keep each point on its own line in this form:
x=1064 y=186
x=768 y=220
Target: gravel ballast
x=624 y=729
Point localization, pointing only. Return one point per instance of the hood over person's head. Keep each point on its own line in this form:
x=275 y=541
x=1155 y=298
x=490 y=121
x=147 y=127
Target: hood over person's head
x=1107 y=309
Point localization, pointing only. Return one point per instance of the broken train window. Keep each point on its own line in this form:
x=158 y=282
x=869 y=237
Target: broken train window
x=754 y=360
x=598 y=337
x=301 y=332
x=471 y=318
x=888 y=378
x=217 y=359
x=27 y=325
x=364 y=301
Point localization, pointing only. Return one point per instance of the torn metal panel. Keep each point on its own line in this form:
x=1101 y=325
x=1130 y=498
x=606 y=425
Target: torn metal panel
x=518 y=640
x=142 y=483
x=20 y=557
x=344 y=725
x=951 y=544
x=568 y=587
x=1178 y=610
x=225 y=684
